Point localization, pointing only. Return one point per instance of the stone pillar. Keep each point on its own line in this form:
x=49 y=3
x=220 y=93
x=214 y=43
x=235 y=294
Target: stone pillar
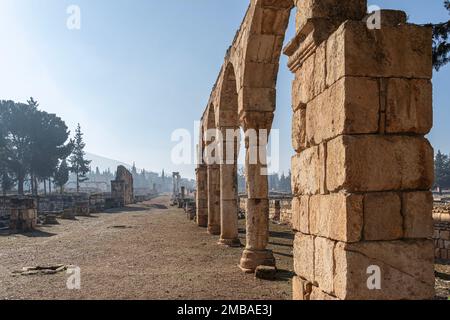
x=213 y=173
x=202 y=196
x=277 y=211
x=363 y=169
x=256 y=253
x=229 y=193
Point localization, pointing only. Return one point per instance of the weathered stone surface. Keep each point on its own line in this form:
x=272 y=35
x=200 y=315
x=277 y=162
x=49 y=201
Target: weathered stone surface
x=299 y=130
x=355 y=50
x=304 y=256
x=409 y=106
x=213 y=173
x=266 y=272
x=350 y=106
x=417 y=214
x=407 y=270
x=122 y=188
x=347 y=9
x=378 y=163
x=382 y=216
x=257 y=99
x=337 y=216
x=320 y=69
x=318 y=295
x=324 y=264
x=307 y=172
x=257 y=224
x=303 y=84
x=300 y=214
x=301 y=289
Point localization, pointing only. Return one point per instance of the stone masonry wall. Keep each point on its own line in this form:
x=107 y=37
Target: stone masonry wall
x=122 y=187
x=363 y=169
x=441 y=235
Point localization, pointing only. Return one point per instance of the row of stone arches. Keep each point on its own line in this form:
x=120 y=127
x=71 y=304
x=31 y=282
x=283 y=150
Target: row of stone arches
x=361 y=107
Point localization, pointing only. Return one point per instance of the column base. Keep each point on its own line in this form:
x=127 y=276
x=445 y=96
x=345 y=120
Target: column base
x=251 y=259
x=202 y=221
x=233 y=243
x=214 y=230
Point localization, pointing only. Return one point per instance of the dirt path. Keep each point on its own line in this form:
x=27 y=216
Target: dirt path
x=149 y=251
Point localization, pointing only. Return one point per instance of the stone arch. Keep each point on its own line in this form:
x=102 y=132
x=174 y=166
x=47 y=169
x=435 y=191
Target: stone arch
x=350 y=113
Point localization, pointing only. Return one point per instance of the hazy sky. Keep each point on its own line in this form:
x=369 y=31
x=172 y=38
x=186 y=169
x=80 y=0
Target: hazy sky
x=137 y=70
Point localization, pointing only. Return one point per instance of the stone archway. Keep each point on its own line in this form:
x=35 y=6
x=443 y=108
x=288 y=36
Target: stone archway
x=363 y=168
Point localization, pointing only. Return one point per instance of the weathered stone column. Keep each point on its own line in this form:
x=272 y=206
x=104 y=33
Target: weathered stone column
x=256 y=253
x=213 y=173
x=202 y=196
x=229 y=190
x=363 y=169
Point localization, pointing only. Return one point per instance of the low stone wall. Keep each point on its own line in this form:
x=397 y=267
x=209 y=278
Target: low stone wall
x=280 y=208
x=441 y=216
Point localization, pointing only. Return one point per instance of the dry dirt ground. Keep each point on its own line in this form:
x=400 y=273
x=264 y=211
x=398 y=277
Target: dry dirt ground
x=146 y=251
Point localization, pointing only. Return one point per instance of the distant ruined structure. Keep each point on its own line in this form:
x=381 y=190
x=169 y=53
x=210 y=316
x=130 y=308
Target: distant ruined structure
x=122 y=187
x=362 y=169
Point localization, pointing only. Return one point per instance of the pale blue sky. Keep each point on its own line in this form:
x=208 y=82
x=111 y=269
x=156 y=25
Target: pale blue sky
x=137 y=70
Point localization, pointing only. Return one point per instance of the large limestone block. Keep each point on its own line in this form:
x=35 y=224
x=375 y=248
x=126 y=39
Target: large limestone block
x=337 y=216
x=257 y=99
x=383 y=216
x=300 y=214
x=350 y=106
x=303 y=85
x=336 y=11
x=324 y=264
x=318 y=295
x=260 y=75
x=301 y=289
x=409 y=106
x=417 y=213
x=402 y=51
x=299 y=130
x=272 y=18
x=406 y=270
x=304 y=256
x=379 y=163
x=264 y=48
x=307 y=171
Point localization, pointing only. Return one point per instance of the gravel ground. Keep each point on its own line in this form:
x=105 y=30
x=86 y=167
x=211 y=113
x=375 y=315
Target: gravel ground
x=147 y=251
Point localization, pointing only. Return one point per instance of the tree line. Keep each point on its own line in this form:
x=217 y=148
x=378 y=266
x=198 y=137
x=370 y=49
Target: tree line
x=35 y=147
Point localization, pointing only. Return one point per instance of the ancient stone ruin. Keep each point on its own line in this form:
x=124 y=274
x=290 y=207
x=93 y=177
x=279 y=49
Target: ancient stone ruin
x=441 y=215
x=362 y=170
x=23 y=214
x=122 y=187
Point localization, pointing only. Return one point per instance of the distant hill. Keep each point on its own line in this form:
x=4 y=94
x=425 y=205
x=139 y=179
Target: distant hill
x=104 y=163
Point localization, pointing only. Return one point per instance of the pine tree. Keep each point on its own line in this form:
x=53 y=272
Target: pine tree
x=62 y=175
x=442 y=171
x=79 y=165
x=441 y=45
